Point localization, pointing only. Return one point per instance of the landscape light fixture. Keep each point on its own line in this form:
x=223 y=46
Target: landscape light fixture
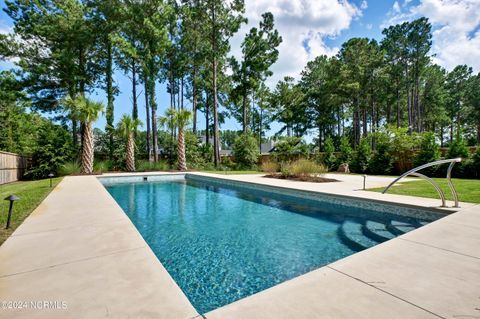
x=51 y=176
x=10 y=198
x=364 y=180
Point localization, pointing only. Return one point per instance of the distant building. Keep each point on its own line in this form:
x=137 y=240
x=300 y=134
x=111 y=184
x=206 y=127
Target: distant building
x=268 y=147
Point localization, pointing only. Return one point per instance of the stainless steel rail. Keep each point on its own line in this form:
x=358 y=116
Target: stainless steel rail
x=414 y=172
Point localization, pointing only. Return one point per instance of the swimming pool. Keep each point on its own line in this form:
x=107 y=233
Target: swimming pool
x=223 y=240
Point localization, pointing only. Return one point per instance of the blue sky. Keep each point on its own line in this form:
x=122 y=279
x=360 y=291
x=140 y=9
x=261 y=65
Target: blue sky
x=313 y=27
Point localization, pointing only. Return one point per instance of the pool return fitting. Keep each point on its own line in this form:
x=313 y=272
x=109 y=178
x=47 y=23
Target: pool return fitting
x=414 y=172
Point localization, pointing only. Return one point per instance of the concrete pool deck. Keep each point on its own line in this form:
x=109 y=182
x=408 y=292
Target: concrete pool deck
x=79 y=247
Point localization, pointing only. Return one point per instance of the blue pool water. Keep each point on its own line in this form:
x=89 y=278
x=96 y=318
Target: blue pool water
x=222 y=243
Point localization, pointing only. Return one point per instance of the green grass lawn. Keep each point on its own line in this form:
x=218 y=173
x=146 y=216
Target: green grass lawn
x=31 y=194
x=468 y=189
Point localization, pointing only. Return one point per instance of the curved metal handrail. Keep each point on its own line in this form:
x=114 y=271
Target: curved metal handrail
x=414 y=172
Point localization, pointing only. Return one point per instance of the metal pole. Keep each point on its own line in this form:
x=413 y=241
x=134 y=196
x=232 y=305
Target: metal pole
x=364 y=180
x=9 y=214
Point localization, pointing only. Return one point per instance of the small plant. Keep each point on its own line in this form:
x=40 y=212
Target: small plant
x=329 y=158
x=345 y=151
x=69 y=168
x=270 y=167
x=102 y=166
x=362 y=157
x=245 y=151
x=429 y=152
x=146 y=166
x=457 y=149
x=304 y=168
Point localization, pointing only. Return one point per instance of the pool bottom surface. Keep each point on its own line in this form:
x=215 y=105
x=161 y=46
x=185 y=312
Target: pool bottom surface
x=221 y=244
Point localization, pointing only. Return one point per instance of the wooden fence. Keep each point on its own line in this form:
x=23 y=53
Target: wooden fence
x=12 y=167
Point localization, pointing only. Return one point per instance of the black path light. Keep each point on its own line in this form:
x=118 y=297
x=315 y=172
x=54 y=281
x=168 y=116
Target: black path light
x=51 y=176
x=10 y=198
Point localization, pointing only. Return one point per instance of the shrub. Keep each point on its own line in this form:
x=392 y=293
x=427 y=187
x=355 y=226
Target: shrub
x=345 y=151
x=102 y=166
x=245 y=151
x=457 y=149
x=402 y=145
x=381 y=162
x=473 y=166
x=270 y=167
x=362 y=157
x=429 y=152
x=286 y=149
x=304 y=168
x=329 y=158
x=69 y=168
x=53 y=149
x=146 y=166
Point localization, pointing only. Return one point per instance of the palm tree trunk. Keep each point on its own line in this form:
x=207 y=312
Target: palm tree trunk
x=130 y=153
x=182 y=162
x=87 y=149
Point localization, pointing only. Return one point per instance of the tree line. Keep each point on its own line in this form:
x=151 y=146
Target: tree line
x=66 y=49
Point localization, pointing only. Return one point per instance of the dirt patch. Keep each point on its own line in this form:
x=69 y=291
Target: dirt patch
x=314 y=179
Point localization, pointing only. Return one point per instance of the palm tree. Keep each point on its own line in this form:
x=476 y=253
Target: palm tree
x=86 y=111
x=127 y=128
x=178 y=119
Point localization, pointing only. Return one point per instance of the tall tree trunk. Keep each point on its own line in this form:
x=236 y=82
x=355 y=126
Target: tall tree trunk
x=147 y=112
x=87 y=149
x=109 y=111
x=399 y=123
x=153 y=108
x=478 y=133
x=194 y=100
x=130 y=156
x=216 y=150
x=245 y=111
x=207 y=119
x=181 y=93
x=182 y=162
x=216 y=145
x=134 y=90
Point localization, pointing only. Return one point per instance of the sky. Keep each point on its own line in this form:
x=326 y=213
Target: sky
x=314 y=27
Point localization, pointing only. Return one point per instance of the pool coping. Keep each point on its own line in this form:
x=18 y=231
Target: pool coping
x=281 y=301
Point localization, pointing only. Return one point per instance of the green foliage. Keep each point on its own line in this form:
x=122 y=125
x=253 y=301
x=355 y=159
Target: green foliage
x=289 y=148
x=270 y=167
x=329 y=158
x=345 y=151
x=245 y=151
x=457 y=149
x=53 y=149
x=381 y=162
x=146 y=166
x=302 y=168
x=102 y=166
x=69 y=168
x=403 y=144
x=429 y=152
x=362 y=157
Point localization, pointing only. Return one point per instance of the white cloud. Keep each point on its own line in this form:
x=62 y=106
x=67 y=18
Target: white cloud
x=396 y=7
x=456 y=33
x=303 y=25
x=364 y=5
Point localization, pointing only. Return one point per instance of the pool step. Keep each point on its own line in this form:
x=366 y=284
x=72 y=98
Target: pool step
x=351 y=235
x=377 y=231
x=399 y=228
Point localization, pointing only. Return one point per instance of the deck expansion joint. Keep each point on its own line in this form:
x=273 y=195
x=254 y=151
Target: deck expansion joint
x=386 y=292
x=73 y=261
